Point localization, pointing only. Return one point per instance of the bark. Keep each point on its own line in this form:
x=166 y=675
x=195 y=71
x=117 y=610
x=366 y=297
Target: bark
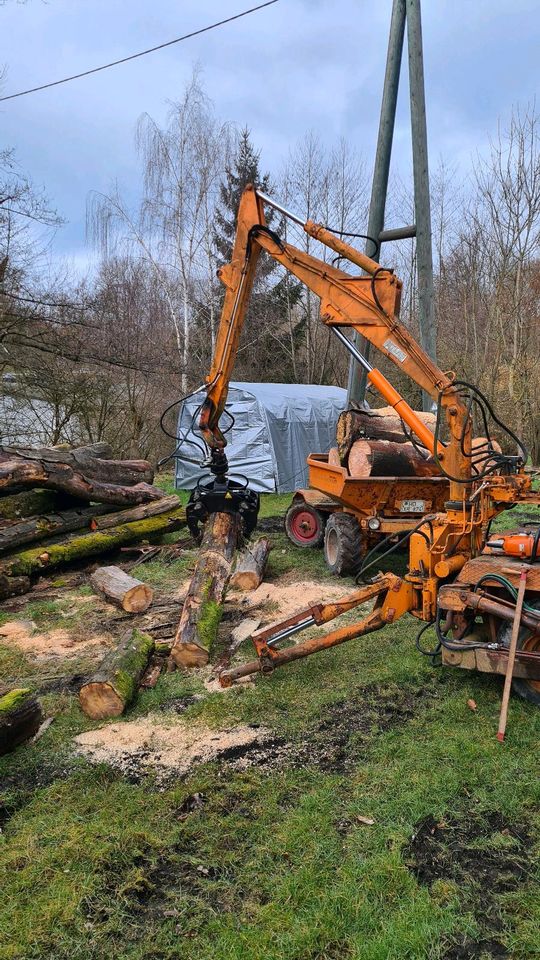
x=250 y=565
x=202 y=608
x=144 y=510
x=20 y=718
x=381 y=458
x=13 y=586
x=114 y=685
x=120 y=588
x=14 y=535
x=94 y=462
x=34 y=561
x=18 y=474
x=33 y=503
x=381 y=424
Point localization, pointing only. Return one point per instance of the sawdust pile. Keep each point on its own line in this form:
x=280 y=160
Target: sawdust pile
x=284 y=600
x=146 y=744
x=58 y=643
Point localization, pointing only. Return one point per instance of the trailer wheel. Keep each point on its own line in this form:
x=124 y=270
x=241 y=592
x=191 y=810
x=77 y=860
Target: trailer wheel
x=304 y=525
x=530 y=642
x=342 y=544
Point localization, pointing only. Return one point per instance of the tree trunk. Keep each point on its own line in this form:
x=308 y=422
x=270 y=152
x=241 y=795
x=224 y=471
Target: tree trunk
x=382 y=424
x=36 y=560
x=201 y=612
x=32 y=503
x=95 y=462
x=381 y=458
x=14 y=535
x=144 y=510
x=115 y=683
x=20 y=717
x=124 y=591
x=250 y=565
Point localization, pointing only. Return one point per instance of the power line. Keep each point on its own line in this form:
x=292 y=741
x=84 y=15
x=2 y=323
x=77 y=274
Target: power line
x=142 y=53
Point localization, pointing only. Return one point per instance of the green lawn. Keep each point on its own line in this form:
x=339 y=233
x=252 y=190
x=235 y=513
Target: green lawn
x=272 y=862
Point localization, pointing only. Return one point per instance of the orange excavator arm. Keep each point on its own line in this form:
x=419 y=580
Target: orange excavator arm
x=368 y=304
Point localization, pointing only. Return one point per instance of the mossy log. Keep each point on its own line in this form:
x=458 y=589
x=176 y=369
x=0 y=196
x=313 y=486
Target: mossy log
x=114 y=685
x=20 y=718
x=35 y=503
x=38 y=559
x=15 y=535
x=381 y=424
x=119 y=588
x=382 y=458
x=250 y=565
x=141 y=512
x=202 y=608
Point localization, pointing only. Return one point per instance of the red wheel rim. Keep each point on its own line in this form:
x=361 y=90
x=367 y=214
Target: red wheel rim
x=305 y=526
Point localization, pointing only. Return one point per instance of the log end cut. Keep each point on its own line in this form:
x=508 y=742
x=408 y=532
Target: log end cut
x=100 y=700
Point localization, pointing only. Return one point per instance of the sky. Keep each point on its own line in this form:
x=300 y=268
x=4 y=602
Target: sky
x=298 y=65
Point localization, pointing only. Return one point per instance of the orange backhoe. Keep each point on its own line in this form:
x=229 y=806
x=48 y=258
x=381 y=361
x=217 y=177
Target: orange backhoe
x=460 y=580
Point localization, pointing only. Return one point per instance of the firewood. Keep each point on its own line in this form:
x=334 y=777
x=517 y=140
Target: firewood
x=201 y=612
x=114 y=685
x=381 y=458
x=14 y=535
x=102 y=481
x=140 y=512
x=250 y=565
x=37 y=559
x=20 y=717
x=119 y=588
x=381 y=424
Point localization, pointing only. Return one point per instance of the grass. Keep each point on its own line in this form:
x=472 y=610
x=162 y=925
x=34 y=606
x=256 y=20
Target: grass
x=273 y=862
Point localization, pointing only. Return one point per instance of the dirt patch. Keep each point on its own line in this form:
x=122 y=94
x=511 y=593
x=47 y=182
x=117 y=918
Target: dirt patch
x=140 y=746
x=485 y=855
x=284 y=600
x=52 y=644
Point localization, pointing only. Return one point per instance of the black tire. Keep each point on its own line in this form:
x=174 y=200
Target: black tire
x=304 y=525
x=526 y=689
x=342 y=539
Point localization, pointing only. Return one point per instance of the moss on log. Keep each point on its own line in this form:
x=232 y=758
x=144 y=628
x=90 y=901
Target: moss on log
x=20 y=717
x=31 y=503
x=35 y=561
x=202 y=608
x=44 y=526
x=114 y=685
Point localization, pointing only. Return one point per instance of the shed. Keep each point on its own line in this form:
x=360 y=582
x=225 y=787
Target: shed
x=276 y=425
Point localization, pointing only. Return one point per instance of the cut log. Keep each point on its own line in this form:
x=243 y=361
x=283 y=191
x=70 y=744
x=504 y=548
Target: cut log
x=250 y=565
x=119 y=588
x=37 y=559
x=35 y=503
x=381 y=458
x=381 y=424
x=201 y=612
x=140 y=512
x=13 y=586
x=94 y=461
x=20 y=718
x=102 y=481
x=14 y=535
x=113 y=686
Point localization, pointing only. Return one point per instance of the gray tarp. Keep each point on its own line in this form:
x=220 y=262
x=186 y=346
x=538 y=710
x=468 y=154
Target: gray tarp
x=276 y=426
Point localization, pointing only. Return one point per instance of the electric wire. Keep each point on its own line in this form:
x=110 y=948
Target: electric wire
x=141 y=53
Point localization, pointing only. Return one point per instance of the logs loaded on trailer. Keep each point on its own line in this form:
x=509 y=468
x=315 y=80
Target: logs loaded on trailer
x=381 y=424
x=116 y=681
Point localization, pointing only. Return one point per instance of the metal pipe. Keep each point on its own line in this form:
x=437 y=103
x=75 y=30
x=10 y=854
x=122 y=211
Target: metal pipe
x=356 y=389
x=397 y=233
x=289 y=631
x=278 y=206
x=350 y=346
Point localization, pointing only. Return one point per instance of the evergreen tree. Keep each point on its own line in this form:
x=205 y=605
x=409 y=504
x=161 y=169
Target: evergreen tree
x=243 y=170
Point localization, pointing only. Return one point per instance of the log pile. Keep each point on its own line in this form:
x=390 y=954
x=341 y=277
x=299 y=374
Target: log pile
x=63 y=505
x=381 y=424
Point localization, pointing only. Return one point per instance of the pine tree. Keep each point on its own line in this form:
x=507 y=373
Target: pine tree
x=243 y=170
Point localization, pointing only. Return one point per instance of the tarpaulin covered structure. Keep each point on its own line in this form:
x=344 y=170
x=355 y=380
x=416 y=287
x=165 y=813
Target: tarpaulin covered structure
x=276 y=425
